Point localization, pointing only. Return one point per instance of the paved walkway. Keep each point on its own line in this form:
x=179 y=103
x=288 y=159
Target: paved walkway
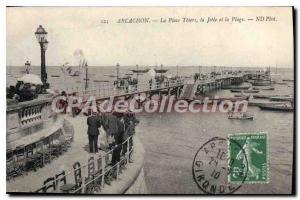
x=34 y=180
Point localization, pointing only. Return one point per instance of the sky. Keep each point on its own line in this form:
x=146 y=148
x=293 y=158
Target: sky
x=245 y=44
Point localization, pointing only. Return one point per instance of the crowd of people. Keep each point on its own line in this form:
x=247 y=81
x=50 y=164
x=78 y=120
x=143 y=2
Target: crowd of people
x=23 y=91
x=118 y=127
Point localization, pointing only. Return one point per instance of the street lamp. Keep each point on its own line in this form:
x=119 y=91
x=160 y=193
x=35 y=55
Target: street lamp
x=27 y=67
x=41 y=36
x=118 y=69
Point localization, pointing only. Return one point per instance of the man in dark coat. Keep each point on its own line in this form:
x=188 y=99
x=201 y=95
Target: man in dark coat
x=130 y=122
x=115 y=128
x=94 y=124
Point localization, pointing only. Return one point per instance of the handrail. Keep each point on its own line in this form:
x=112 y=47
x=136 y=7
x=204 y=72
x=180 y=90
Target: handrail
x=104 y=171
x=108 y=89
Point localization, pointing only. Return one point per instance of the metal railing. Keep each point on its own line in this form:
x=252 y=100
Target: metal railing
x=101 y=171
x=108 y=90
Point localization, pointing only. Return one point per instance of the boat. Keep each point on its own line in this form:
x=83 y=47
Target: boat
x=255 y=103
x=282 y=98
x=140 y=70
x=70 y=71
x=288 y=80
x=232 y=99
x=263 y=88
x=161 y=70
x=110 y=75
x=281 y=83
x=263 y=96
x=263 y=82
x=242 y=116
x=277 y=107
x=245 y=91
x=236 y=87
x=101 y=81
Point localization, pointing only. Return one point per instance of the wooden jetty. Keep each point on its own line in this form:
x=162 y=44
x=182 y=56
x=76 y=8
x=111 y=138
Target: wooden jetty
x=183 y=88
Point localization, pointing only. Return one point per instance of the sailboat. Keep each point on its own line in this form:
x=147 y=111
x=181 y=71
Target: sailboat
x=264 y=79
x=140 y=70
x=71 y=71
x=161 y=70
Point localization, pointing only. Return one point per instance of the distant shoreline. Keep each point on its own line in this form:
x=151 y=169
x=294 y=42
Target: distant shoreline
x=148 y=66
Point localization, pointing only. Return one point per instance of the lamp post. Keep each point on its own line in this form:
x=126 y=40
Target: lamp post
x=41 y=36
x=27 y=67
x=118 y=69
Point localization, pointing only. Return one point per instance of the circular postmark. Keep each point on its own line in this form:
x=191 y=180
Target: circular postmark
x=212 y=166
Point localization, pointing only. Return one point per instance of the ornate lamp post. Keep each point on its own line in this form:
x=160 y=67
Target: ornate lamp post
x=41 y=36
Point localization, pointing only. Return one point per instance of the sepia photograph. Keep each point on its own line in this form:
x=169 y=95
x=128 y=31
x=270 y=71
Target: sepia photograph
x=155 y=100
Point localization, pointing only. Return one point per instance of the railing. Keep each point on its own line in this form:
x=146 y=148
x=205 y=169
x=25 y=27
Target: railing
x=108 y=90
x=102 y=171
x=30 y=115
x=26 y=118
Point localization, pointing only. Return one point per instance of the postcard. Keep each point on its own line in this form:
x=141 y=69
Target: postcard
x=150 y=100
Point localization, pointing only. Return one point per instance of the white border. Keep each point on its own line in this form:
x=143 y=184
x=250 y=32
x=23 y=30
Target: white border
x=295 y=3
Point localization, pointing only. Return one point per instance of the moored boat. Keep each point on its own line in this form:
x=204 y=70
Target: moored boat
x=263 y=88
x=261 y=83
x=237 y=87
x=101 y=81
x=281 y=83
x=241 y=116
x=140 y=70
x=245 y=91
x=288 y=80
x=161 y=70
x=277 y=107
x=281 y=98
x=262 y=96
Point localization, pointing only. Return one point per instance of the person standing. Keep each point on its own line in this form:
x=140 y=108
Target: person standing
x=94 y=124
x=115 y=128
x=130 y=123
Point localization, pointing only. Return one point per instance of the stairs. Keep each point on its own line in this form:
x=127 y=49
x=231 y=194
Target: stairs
x=188 y=91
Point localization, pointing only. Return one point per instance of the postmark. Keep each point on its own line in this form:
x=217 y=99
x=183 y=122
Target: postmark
x=212 y=165
x=255 y=147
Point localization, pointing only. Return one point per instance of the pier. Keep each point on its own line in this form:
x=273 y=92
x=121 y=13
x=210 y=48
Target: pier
x=183 y=88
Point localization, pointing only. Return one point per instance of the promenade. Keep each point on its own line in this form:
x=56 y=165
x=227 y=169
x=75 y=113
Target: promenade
x=78 y=152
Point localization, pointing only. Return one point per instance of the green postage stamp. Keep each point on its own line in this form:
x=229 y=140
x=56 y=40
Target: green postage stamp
x=248 y=158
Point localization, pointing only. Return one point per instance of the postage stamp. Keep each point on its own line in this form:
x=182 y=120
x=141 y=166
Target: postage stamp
x=254 y=154
x=211 y=169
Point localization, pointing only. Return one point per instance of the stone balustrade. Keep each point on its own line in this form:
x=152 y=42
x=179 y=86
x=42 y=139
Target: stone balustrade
x=26 y=118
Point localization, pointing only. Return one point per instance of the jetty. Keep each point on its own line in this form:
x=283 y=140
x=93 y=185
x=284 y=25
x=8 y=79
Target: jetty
x=181 y=87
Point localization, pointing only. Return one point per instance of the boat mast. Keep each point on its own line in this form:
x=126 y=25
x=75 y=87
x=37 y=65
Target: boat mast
x=137 y=73
x=86 y=77
x=161 y=67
